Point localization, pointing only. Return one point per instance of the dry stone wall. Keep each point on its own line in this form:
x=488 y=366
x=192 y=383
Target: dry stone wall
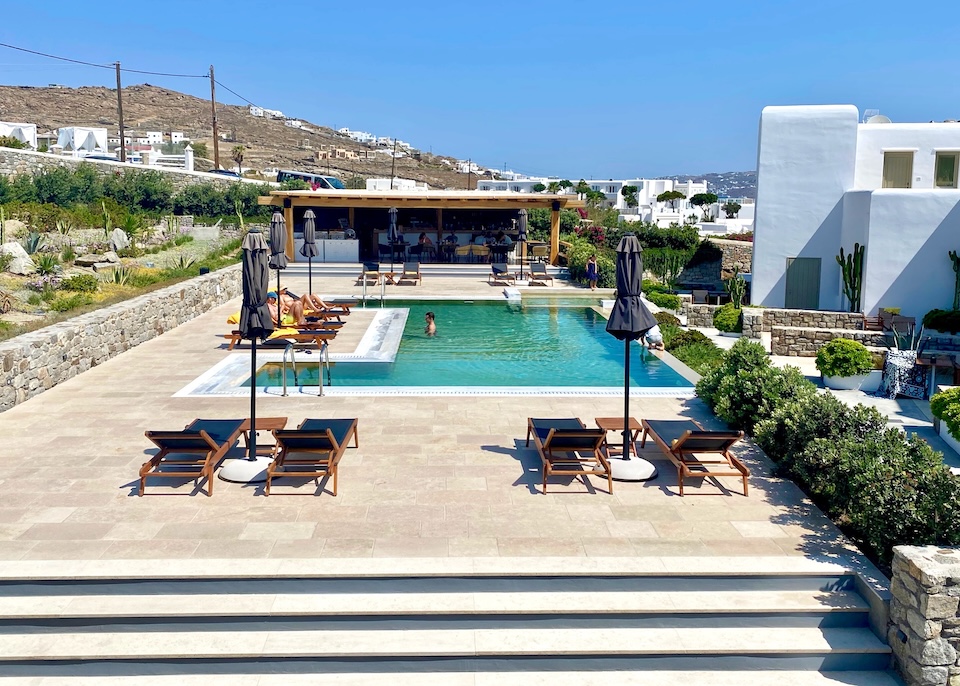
x=924 y=630
x=700 y=315
x=795 y=341
x=17 y=162
x=37 y=361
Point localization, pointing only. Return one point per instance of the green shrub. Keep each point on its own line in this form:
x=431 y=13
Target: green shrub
x=727 y=318
x=667 y=301
x=650 y=286
x=700 y=357
x=81 y=283
x=744 y=388
x=666 y=319
x=577 y=255
x=67 y=254
x=5 y=260
x=68 y=302
x=795 y=425
x=945 y=406
x=844 y=357
x=687 y=337
x=943 y=320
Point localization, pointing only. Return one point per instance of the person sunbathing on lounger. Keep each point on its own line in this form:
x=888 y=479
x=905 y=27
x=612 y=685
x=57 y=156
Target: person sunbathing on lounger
x=285 y=310
x=309 y=302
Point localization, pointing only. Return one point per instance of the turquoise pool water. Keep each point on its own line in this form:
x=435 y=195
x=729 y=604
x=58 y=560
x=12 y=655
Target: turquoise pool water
x=541 y=343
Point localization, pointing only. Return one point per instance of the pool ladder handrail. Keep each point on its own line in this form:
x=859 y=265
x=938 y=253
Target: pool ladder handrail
x=323 y=360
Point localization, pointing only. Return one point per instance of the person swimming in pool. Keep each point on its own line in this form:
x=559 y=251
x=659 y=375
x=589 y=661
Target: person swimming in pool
x=431 y=328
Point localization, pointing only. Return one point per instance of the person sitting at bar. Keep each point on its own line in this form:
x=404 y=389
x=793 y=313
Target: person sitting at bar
x=424 y=239
x=504 y=239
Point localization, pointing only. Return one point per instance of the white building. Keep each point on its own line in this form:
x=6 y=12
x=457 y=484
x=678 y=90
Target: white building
x=25 y=133
x=648 y=208
x=154 y=138
x=177 y=137
x=256 y=111
x=826 y=181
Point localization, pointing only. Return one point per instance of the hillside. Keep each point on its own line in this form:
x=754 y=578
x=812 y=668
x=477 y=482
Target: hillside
x=270 y=143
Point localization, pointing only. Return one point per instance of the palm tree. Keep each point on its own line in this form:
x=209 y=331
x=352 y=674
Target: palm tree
x=237 y=155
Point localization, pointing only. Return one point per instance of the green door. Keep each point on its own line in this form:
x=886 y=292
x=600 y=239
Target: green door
x=803 y=283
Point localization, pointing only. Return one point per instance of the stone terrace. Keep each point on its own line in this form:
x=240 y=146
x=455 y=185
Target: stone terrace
x=433 y=477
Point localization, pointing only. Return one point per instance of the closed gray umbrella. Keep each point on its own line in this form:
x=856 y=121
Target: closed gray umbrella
x=255 y=319
x=522 y=238
x=278 y=245
x=309 y=249
x=392 y=233
x=629 y=321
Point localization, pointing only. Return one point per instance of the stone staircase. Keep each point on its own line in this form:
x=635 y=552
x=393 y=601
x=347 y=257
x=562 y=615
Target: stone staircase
x=228 y=622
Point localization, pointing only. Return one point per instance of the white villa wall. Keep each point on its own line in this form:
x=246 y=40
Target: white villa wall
x=925 y=140
x=805 y=163
x=906 y=264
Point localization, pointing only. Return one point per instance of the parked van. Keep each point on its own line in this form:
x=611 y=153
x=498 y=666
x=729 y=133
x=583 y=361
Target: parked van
x=318 y=180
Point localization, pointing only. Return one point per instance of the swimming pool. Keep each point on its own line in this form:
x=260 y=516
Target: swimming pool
x=538 y=343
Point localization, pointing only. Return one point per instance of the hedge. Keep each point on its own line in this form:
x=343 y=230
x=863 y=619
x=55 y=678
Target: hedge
x=881 y=487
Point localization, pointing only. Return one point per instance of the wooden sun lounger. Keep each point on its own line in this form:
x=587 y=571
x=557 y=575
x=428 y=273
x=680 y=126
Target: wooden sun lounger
x=316 y=335
x=694 y=450
x=568 y=448
x=312 y=450
x=411 y=272
x=500 y=273
x=539 y=274
x=195 y=451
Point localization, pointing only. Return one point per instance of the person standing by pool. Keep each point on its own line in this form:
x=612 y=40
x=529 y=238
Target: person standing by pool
x=654 y=338
x=592 y=275
x=431 y=328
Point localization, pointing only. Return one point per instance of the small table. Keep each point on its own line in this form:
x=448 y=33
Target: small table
x=263 y=424
x=616 y=424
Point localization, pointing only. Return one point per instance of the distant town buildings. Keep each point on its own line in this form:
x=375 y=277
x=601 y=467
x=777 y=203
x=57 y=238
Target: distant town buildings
x=397 y=185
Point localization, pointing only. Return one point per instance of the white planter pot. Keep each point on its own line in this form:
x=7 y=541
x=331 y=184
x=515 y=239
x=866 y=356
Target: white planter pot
x=947 y=438
x=868 y=382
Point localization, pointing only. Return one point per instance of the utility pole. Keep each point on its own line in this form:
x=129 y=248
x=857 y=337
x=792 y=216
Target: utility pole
x=213 y=107
x=123 y=145
x=393 y=167
x=469 y=172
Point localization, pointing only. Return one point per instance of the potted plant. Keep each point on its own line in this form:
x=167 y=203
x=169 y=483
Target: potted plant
x=844 y=364
x=727 y=319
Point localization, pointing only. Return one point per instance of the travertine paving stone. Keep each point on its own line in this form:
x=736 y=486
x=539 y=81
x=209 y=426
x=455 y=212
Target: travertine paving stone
x=433 y=476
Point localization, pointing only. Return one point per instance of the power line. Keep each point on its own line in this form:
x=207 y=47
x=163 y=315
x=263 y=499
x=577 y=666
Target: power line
x=102 y=66
x=229 y=90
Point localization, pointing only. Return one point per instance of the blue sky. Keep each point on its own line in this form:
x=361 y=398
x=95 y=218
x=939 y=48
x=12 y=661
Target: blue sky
x=614 y=89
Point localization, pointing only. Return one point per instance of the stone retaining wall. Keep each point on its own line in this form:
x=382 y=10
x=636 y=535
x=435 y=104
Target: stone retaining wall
x=39 y=360
x=734 y=254
x=700 y=315
x=16 y=162
x=796 y=341
x=924 y=630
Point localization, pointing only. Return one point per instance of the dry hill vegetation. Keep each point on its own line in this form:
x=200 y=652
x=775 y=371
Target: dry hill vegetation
x=268 y=141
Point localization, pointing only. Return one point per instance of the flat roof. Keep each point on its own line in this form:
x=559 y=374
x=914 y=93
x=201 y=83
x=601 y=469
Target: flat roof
x=488 y=200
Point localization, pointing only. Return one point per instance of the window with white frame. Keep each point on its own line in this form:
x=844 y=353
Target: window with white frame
x=945 y=169
x=897 y=169
x=611 y=189
x=516 y=189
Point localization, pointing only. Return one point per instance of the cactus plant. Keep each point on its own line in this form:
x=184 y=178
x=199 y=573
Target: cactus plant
x=736 y=286
x=851 y=266
x=956 y=279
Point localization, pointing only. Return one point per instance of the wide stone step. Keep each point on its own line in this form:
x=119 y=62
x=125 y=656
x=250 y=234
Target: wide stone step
x=493 y=604
x=700 y=643
x=533 y=678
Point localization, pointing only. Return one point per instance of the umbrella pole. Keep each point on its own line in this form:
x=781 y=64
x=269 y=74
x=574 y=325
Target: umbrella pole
x=278 y=285
x=310 y=276
x=252 y=440
x=626 y=399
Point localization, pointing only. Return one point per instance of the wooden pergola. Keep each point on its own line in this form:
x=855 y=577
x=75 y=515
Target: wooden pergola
x=421 y=200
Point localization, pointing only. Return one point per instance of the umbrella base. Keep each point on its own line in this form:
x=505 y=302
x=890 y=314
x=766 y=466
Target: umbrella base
x=243 y=471
x=634 y=469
